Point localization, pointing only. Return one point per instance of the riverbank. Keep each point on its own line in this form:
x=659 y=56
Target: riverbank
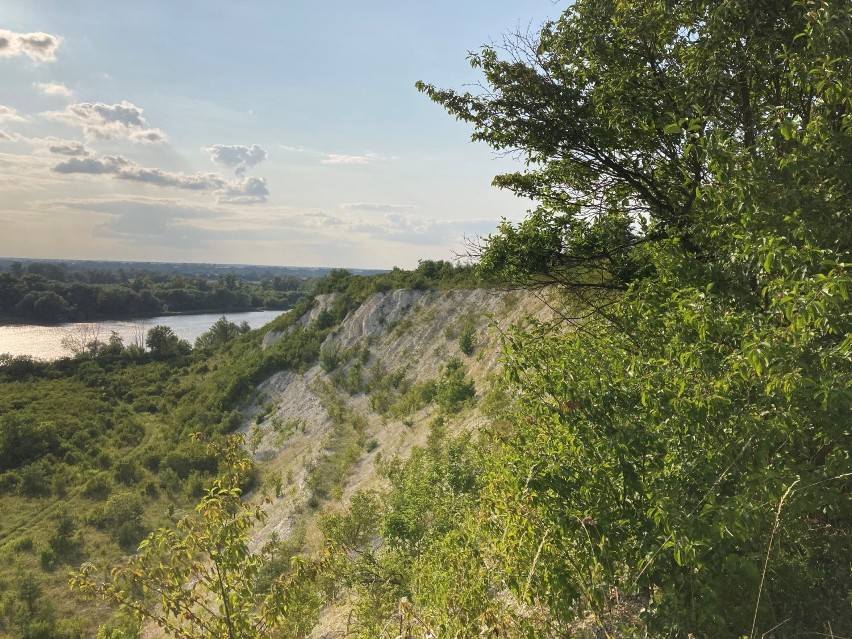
x=18 y=321
x=45 y=342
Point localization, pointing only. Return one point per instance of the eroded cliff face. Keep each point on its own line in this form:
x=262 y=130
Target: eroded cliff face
x=298 y=419
x=322 y=304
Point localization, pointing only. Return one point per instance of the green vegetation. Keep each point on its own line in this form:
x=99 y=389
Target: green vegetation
x=429 y=274
x=669 y=458
x=230 y=595
x=467 y=338
x=98 y=449
x=49 y=293
x=679 y=464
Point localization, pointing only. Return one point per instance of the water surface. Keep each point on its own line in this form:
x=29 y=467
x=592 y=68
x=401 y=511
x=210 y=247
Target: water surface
x=45 y=342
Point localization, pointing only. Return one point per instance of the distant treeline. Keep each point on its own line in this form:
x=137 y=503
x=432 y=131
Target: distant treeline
x=249 y=272
x=48 y=292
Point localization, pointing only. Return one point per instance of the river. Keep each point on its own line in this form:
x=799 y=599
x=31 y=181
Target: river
x=45 y=342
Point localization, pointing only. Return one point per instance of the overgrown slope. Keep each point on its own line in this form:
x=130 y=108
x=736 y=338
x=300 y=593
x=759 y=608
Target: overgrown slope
x=319 y=434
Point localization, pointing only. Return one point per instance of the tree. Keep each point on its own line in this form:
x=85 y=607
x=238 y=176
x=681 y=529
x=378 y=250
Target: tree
x=679 y=464
x=200 y=579
x=618 y=110
x=49 y=306
x=83 y=339
x=467 y=338
x=164 y=344
x=219 y=334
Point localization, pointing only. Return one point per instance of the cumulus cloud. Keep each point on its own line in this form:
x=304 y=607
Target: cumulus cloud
x=371 y=207
x=54 y=88
x=8 y=114
x=40 y=47
x=107 y=121
x=248 y=191
x=149 y=136
x=109 y=164
x=124 y=169
x=319 y=219
x=238 y=157
x=158 y=177
x=67 y=147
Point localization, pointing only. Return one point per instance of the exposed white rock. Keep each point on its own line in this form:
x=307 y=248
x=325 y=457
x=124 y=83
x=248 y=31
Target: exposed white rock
x=376 y=314
x=411 y=330
x=323 y=302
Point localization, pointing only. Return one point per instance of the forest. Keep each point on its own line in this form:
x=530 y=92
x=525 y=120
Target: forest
x=50 y=293
x=667 y=457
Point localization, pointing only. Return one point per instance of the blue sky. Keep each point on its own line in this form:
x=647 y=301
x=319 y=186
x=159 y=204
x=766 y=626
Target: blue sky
x=285 y=133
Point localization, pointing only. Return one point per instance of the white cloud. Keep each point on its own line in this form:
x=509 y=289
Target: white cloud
x=5 y=136
x=54 y=89
x=67 y=147
x=247 y=191
x=408 y=229
x=148 y=222
x=319 y=219
x=148 y=136
x=124 y=169
x=176 y=223
x=238 y=157
x=337 y=159
x=158 y=177
x=40 y=47
x=107 y=121
x=367 y=158
x=109 y=164
x=8 y=114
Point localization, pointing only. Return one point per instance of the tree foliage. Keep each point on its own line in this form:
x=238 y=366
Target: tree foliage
x=52 y=293
x=684 y=452
x=627 y=113
x=200 y=579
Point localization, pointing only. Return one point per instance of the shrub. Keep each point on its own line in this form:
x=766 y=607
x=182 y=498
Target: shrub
x=98 y=486
x=467 y=338
x=454 y=387
x=330 y=357
x=35 y=479
x=127 y=471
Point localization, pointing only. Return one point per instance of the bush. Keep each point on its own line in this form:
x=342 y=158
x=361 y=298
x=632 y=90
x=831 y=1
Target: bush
x=98 y=486
x=467 y=338
x=330 y=357
x=36 y=479
x=127 y=471
x=454 y=387
x=129 y=432
x=47 y=559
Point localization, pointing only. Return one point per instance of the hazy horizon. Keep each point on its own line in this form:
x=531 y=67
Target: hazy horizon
x=4 y=259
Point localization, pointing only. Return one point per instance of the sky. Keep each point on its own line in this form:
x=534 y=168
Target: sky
x=254 y=132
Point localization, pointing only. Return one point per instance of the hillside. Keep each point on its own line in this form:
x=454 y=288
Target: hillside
x=677 y=465
x=395 y=342
x=320 y=435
